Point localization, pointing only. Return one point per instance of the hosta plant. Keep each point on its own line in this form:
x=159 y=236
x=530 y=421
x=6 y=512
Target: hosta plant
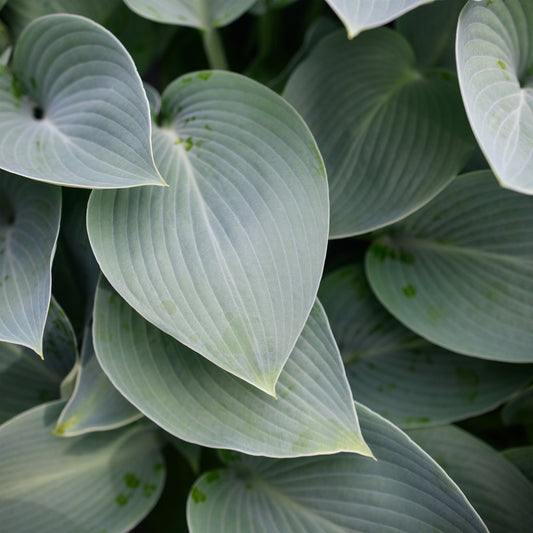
x=266 y=266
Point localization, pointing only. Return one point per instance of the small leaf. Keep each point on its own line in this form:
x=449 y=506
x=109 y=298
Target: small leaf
x=228 y=259
x=29 y=225
x=391 y=136
x=469 y=255
x=99 y=482
x=199 y=402
x=359 y=15
x=74 y=111
x=497 y=490
x=95 y=404
x=403 y=491
x=400 y=375
x=495 y=68
x=202 y=14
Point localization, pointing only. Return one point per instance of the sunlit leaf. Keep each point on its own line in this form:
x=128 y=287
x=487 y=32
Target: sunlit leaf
x=359 y=15
x=73 y=109
x=460 y=271
x=228 y=259
x=500 y=493
x=29 y=225
x=402 y=376
x=199 y=402
x=403 y=491
x=392 y=136
x=495 y=68
x=99 y=482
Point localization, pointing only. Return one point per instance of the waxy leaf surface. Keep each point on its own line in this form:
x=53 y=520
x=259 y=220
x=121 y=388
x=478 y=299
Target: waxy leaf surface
x=73 y=109
x=30 y=213
x=199 y=402
x=391 y=137
x=495 y=67
x=460 y=271
x=403 y=491
x=228 y=259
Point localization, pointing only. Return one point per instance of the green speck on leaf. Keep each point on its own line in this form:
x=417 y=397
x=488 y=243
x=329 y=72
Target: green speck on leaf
x=131 y=480
x=204 y=75
x=249 y=486
x=148 y=489
x=501 y=64
x=208 y=127
x=188 y=144
x=197 y=495
x=381 y=251
x=158 y=467
x=409 y=291
x=186 y=80
x=122 y=500
x=468 y=381
x=419 y=420
x=33 y=82
x=212 y=476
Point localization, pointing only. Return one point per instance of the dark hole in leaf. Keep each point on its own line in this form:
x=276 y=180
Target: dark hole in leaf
x=38 y=113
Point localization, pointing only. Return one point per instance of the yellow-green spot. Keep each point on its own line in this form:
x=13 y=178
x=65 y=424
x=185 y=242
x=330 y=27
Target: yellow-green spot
x=501 y=64
x=186 y=80
x=178 y=141
x=381 y=252
x=122 y=500
x=208 y=127
x=197 y=495
x=148 y=489
x=131 y=480
x=188 y=144
x=409 y=291
x=204 y=75
x=60 y=430
x=212 y=476
x=249 y=486
x=419 y=420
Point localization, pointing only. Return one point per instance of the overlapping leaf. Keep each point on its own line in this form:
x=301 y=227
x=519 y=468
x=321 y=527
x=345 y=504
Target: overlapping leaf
x=203 y=14
x=522 y=458
x=500 y=493
x=199 y=402
x=495 y=68
x=95 y=405
x=29 y=225
x=74 y=111
x=391 y=137
x=100 y=482
x=404 y=491
x=26 y=381
x=400 y=375
x=460 y=271
x=229 y=258
x=359 y=15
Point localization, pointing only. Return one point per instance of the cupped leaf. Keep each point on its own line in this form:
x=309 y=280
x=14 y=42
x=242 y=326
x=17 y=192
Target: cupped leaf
x=95 y=404
x=391 y=137
x=359 y=15
x=460 y=271
x=499 y=492
x=199 y=402
x=26 y=381
x=522 y=458
x=202 y=14
x=29 y=224
x=495 y=69
x=229 y=258
x=100 y=482
x=400 y=375
x=73 y=110
x=404 y=491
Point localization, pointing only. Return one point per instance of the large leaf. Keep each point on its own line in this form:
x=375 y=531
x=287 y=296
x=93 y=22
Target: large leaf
x=199 y=402
x=522 y=458
x=229 y=258
x=26 y=381
x=460 y=271
x=29 y=225
x=74 y=111
x=203 y=14
x=403 y=491
x=100 y=482
x=501 y=494
x=400 y=375
x=95 y=405
x=495 y=68
x=391 y=137
x=359 y=15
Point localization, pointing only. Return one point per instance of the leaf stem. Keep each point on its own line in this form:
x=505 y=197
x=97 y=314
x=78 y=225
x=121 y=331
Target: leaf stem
x=214 y=49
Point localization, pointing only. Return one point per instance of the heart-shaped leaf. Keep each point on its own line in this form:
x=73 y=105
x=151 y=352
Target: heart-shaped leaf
x=359 y=15
x=203 y=14
x=95 y=405
x=402 y=376
x=74 y=111
x=229 y=258
x=99 y=482
x=500 y=493
x=460 y=271
x=495 y=68
x=391 y=137
x=29 y=224
x=26 y=381
x=199 y=402
x=403 y=491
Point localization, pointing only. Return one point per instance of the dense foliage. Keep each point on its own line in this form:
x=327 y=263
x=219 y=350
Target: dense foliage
x=266 y=266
